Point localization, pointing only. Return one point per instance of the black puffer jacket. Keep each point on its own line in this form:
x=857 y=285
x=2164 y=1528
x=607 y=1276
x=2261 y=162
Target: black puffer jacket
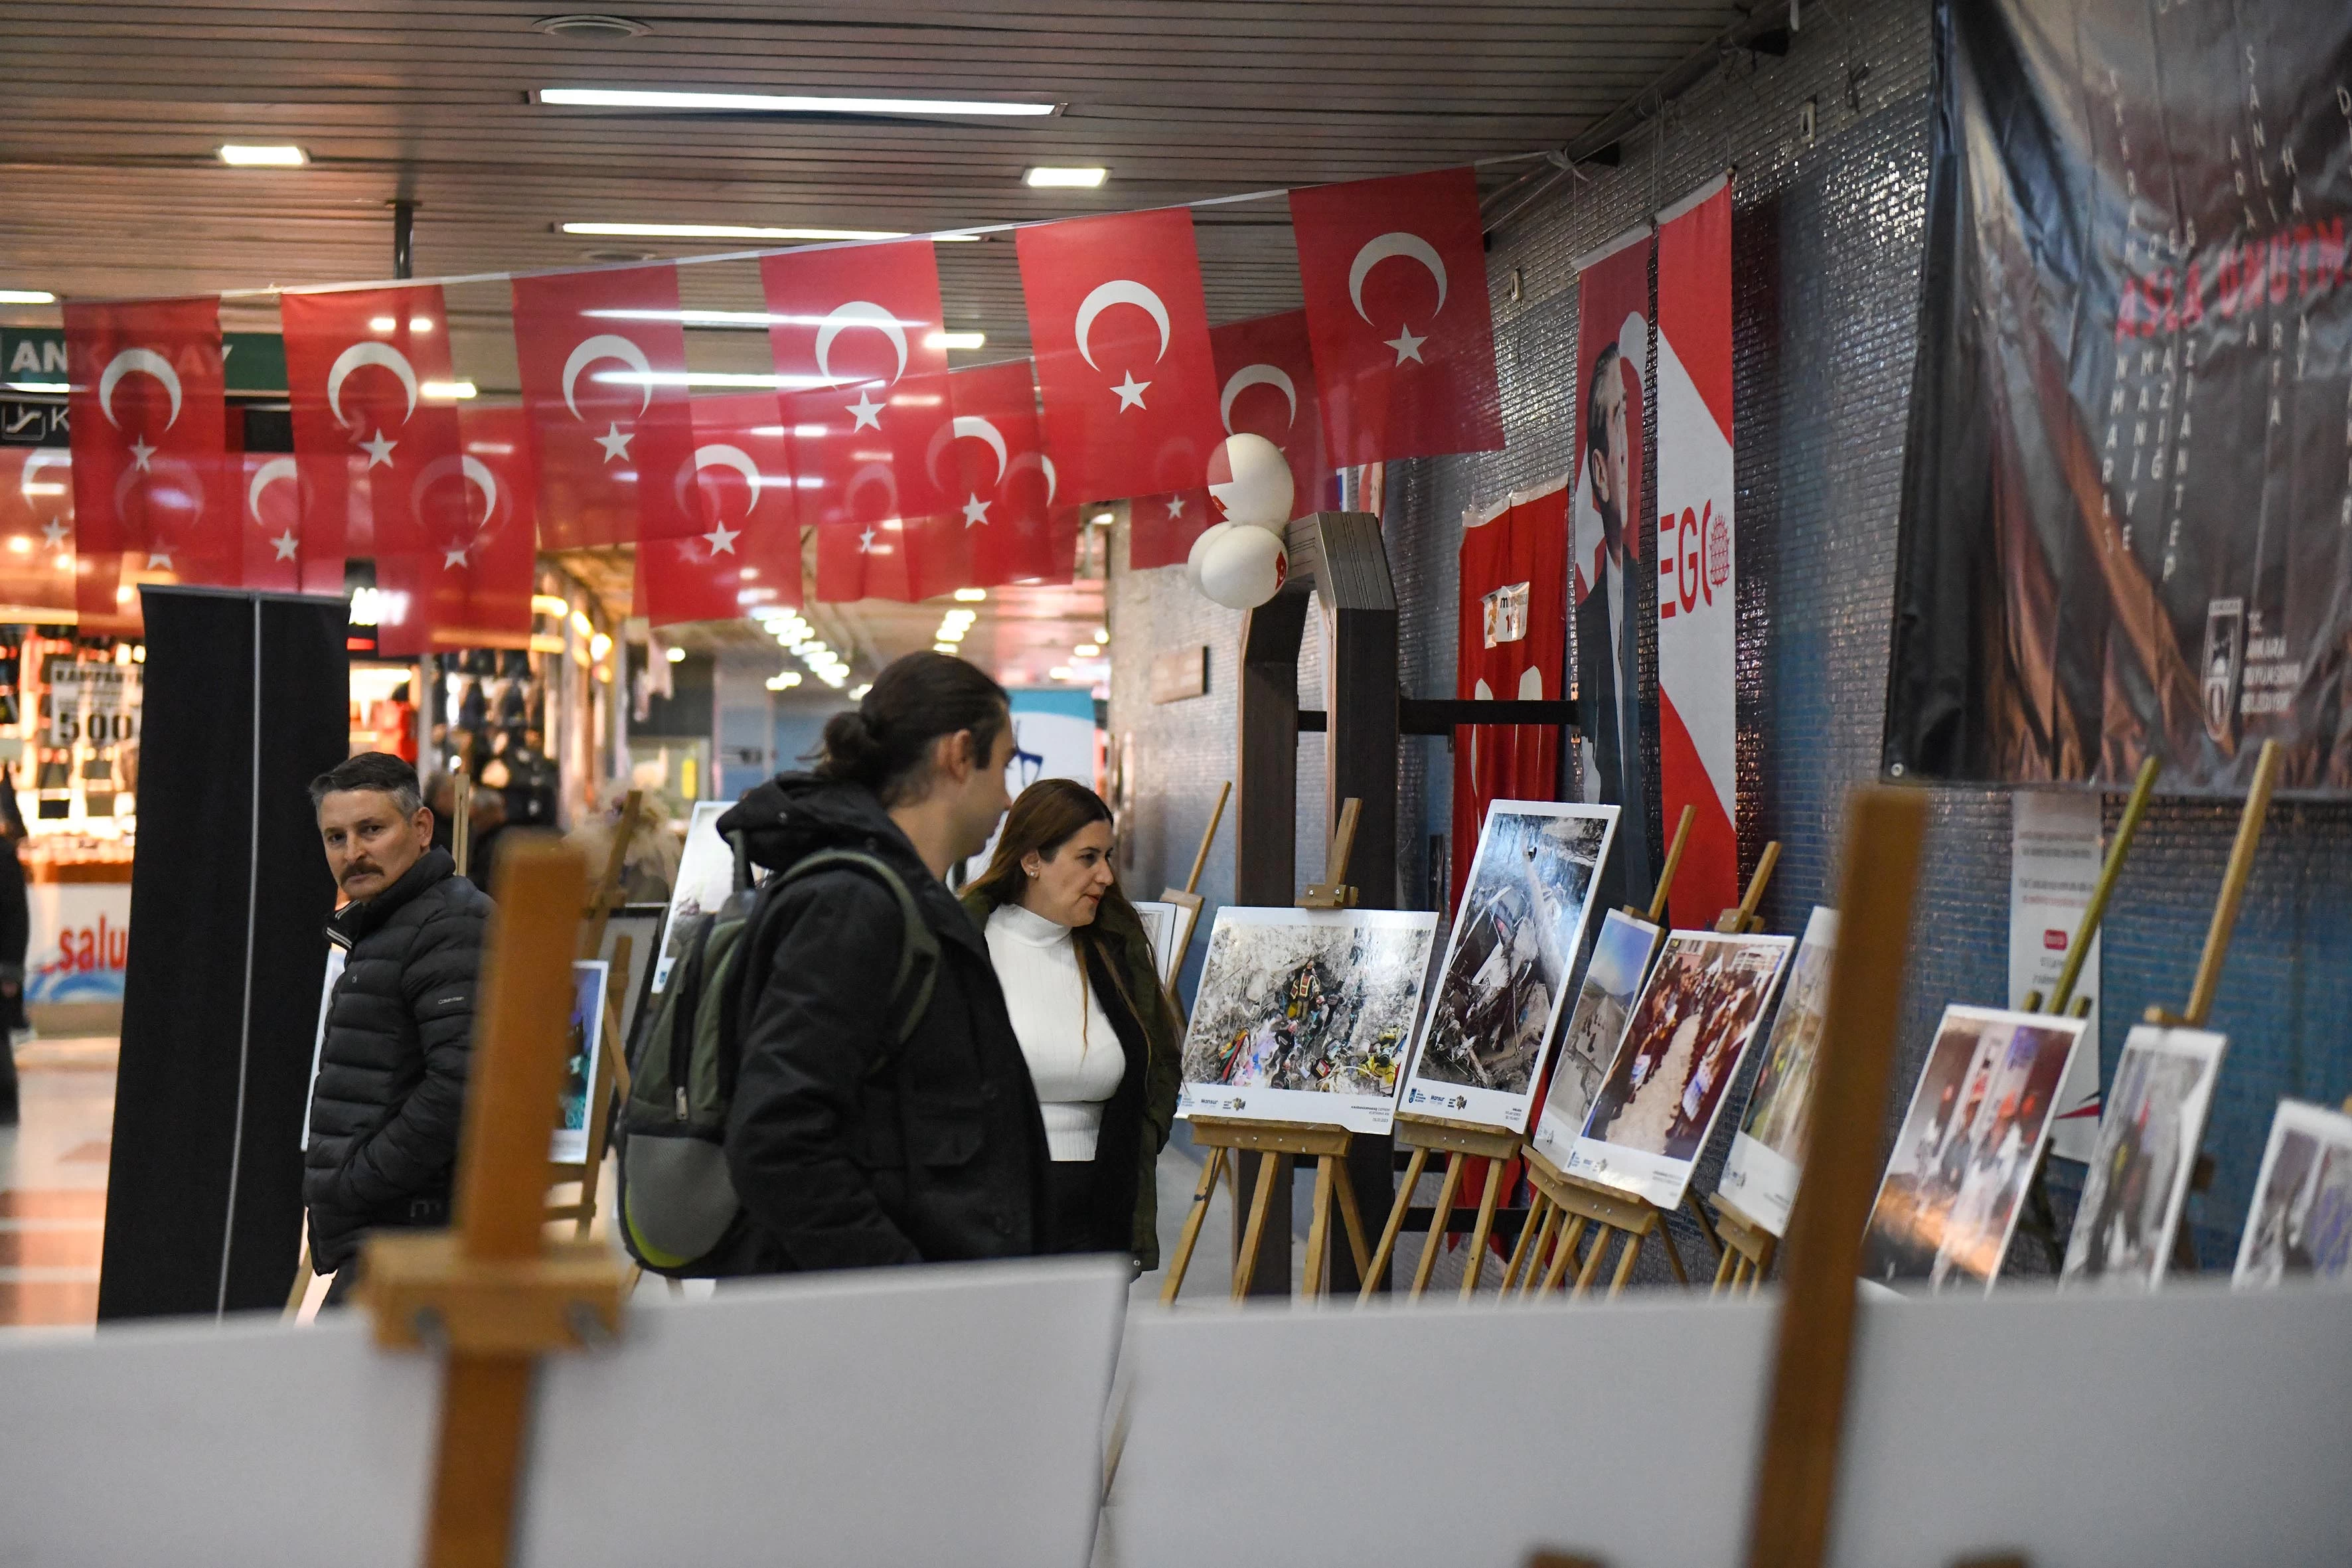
x=938 y=1155
x=386 y=1111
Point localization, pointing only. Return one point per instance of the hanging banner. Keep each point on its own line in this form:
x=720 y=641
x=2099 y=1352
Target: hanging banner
x=150 y=439
x=2126 y=500
x=1612 y=358
x=1265 y=386
x=36 y=560
x=2054 y=868
x=1698 y=626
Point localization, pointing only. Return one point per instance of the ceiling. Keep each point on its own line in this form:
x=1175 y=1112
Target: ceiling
x=109 y=184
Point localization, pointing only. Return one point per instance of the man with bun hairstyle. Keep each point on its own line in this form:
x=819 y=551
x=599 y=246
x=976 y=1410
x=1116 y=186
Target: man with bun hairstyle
x=849 y=1148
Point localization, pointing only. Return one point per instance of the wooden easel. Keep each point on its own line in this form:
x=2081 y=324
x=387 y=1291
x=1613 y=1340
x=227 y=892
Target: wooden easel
x=495 y=1294
x=612 y=1074
x=461 y=830
x=1277 y=1143
x=1605 y=1212
x=1188 y=897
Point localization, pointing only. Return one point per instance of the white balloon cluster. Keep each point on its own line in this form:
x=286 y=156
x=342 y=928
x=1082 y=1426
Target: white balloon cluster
x=1241 y=563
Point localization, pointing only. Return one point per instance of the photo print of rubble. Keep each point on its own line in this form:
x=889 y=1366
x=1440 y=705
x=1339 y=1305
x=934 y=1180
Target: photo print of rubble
x=1621 y=957
x=2138 y=1180
x=2301 y=1219
x=1306 y=1015
x=1504 y=978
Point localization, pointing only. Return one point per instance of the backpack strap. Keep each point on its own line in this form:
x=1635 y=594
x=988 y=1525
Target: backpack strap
x=918 y=950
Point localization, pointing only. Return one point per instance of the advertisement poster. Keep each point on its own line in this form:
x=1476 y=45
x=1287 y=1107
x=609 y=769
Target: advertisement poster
x=2054 y=868
x=81 y=941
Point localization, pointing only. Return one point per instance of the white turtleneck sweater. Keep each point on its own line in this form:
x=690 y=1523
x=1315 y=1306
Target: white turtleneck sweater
x=1074 y=1056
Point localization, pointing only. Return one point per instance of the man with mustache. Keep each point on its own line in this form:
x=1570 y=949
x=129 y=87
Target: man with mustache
x=391 y=1086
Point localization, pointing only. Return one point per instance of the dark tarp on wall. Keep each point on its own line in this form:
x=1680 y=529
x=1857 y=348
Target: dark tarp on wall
x=2126 y=523
x=246 y=701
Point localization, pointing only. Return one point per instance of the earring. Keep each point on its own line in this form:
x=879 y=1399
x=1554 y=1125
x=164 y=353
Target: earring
x=1033 y=872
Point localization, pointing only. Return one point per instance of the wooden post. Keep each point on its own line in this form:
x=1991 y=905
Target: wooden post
x=1805 y=1412
x=1657 y=910
x=1208 y=837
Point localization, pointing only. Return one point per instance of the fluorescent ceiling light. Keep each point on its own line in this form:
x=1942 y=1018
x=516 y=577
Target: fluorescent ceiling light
x=675 y=655
x=26 y=297
x=450 y=391
x=971 y=595
x=1102 y=520
x=857 y=693
x=37 y=385
x=724 y=231
x=955 y=340
x=242 y=155
x=1061 y=672
x=705 y=378
x=784 y=103
x=946 y=648
x=744 y=318
x=1043 y=178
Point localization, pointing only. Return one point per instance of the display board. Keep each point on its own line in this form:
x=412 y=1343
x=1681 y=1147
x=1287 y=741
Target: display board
x=2301 y=1219
x=705 y=875
x=2145 y=1156
x=585 y=1030
x=1306 y=1015
x=1621 y=960
x=1767 y=1152
x=1517 y=929
x=1162 y=922
x=642 y=924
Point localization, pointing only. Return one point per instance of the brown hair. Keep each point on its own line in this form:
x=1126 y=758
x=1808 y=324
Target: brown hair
x=884 y=743
x=1048 y=815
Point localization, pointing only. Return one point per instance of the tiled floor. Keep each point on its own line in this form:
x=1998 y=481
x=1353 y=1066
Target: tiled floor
x=53 y=1181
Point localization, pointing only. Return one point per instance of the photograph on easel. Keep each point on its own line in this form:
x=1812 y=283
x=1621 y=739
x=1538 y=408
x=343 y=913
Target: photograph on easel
x=1505 y=979
x=2301 y=1220
x=584 y=1040
x=1968 y=1148
x=1621 y=958
x=706 y=877
x=1767 y=1152
x=1162 y=922
x=1701 y=1008
x=2138 y=1180
x=1306 y=1015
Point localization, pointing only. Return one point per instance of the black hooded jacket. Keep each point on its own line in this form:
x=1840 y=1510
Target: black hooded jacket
x=847 y=1150
x=391 y=1089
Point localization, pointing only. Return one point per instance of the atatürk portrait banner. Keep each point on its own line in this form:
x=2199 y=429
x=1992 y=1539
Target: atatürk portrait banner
x=2127 y=486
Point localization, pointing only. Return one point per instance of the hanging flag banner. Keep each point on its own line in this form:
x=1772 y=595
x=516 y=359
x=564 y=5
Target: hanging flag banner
x=1607 y=512
x=1394 y=273
x=150 y=433
x=1001 y=486
x=361 y=366
x=2128 y=481
x=1160 y=528
x=603 y=357
x=1265 y=386
x=750 y=555
x=2055 y=855
x=1121 y=338
x=1511 y=646
x=36 y=556
x=1698 y=624
x=269 y=542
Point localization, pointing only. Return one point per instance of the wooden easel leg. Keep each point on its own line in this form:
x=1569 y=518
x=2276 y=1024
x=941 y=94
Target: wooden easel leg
x=1600 y=1235
x=1318 y=1231
x=1674 y=1254
x=1547 y=1243
x=1245 y=1268
x=1705 y=1226
x=1528 y=1227
x=1446 y=1191
x=1413 y=1170
x=1726 y=1272
x=484 y=1404
x=1625 y=1261
x=1485 y=1227
x=1203 y=1192
x=1352 y=1218
x=1563 y=1254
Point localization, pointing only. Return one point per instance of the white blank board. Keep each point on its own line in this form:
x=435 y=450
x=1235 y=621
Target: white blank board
x=949 y=1415
x=2193 y=1426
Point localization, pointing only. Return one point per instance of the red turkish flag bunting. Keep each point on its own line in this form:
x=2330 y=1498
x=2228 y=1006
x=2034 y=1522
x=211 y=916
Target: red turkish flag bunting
x=469 y=583
x=1160 y=528
x=603 y=356
x=151 y=470
x=1005 y=492
x=1394 y=276
x=1121 y=338
x=36 y=539
x=1265 y=386
x=750 y=554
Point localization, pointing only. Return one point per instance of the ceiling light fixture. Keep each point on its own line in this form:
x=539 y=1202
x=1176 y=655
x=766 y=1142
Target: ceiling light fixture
x=37 y=385
x=946 y=647
x=1060 y=672
x=784 y=102
x=955 y=340
x=1044 y=178
x=252 y=155
x=26 y=297
x=857 y=693
x=971 y=595
x=589 y=24
x=1101 y=520
x=448 y=391
x=722 y=231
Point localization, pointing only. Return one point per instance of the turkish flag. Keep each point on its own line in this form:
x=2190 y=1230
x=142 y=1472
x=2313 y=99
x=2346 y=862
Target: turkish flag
x=1394 y=276
x=149 y=443
x=357 y=366
x=1004 y=490
x=269 y=540
x=867 y=547
x=603 y=356
x=751 y=552
x=469 y=585
x=1121 y=338
x=36 y=554
x=1265 y=386
x=1160 y=528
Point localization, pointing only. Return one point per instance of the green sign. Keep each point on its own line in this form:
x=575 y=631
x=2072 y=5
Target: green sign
x=33 y=359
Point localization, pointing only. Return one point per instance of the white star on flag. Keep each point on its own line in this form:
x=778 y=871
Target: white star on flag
x=285 y=544
x=140 y=452
x=866 y=540
x=55 y=533
x=378 y=451
x=868 y=412
x=1407 y=346
x=615 y=442
x=453 y=557
x=1130 y=393
x=160 y=561
x=1175 y=508
x=975 y=511
x=721 y=540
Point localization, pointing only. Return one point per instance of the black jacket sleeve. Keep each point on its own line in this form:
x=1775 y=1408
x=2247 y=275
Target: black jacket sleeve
x=810 y=1035
x=416 y=1148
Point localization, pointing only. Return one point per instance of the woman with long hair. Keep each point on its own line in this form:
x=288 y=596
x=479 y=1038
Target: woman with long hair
x=1100 y=1036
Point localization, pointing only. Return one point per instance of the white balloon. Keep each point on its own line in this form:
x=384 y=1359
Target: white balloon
x=1245 y=568
x=1215 y=531
x=1249 y=478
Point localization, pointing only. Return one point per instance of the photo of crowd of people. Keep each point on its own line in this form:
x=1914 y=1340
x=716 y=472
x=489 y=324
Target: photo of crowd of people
x=1621 y=957
x=1759 y=1175
x=2301 y=1221
x=1967 y=1148
x=2146 y=1150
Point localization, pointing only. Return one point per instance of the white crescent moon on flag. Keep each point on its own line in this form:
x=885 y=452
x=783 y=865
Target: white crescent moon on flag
x=1379 y=248
x=1053 y=482
x=719 y=455
x=41 y=459
x=607 y=345
x=124 y=364
x=1120 y=291
x=370 y=352
x=872 y=474
x=268 y=474
x=977 y=429
x=478 y=473
x=1251 y=375
x=859 y=313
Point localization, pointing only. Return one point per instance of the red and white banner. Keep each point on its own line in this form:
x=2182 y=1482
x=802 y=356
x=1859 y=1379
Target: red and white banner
x=1122 y=336
x=151 y=472
x=603 y=357
x=1394 y=273
x=37 y=538
x=1605 y=502
x=1265 y=386
x=1160 y=528
x=1512 y=648
x=1001 y=488
x=1698 y=719
x=751 y=552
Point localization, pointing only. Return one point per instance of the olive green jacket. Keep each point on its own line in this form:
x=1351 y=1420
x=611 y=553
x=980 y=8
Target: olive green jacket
x=1163 y=1033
